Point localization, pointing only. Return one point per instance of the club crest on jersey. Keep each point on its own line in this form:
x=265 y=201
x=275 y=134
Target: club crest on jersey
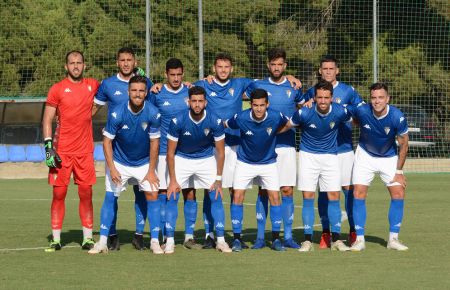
x=144 y=125
x=269 y=130
x=338 y=100
x=90 y=88
x=206 y=131
x=114 y=114
x=288 y=93
x=231 y=91
x=332 y=125
x=387 y=130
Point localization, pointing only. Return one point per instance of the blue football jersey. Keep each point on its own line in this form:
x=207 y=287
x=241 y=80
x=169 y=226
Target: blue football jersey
x=170 y=104
x=114 y=92
x=225 y=100
x=196 y=139
x=283 y=98
x=258 y=138
x=377 y=135
x=319 y=131
x=344 y=95
x=131 y=133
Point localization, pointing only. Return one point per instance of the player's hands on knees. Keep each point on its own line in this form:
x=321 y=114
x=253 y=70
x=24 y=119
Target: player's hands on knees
x=173 y=188
x=217 y=186
x=52 y=158
x=153 y=179
x=156 y=88
x=400 y=178
x=115 y=176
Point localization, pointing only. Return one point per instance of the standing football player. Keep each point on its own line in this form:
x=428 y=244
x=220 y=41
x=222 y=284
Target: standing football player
x=72 y=146
x=381 y=125
x=131 y=144
x=190 y=155
x=113 y=91
x=344 y=95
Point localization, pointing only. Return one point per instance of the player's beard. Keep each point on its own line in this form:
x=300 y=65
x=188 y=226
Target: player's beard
x=75 y=78
x=198 y=115
x=276 y=77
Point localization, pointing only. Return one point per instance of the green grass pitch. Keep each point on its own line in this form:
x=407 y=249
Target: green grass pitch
x=25 y=228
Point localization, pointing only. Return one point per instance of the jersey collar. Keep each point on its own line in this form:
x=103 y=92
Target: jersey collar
x=275 y=83
x=172 y=91
x=121 y=79
x=382 y=117
x=221 y=84
x=129 y=109
x=324 y=115
x=336 y=84
x=199 y=121
x=251 y=117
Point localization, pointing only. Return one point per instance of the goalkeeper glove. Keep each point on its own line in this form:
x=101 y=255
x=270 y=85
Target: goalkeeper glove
x=137 y=71
x=52 y=158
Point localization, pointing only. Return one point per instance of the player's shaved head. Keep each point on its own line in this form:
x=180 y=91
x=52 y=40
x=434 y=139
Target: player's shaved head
x=223 y=56
x=275 y=53
x=259 y=94
x=128 y=50
x=138 y=79
x=196 y=91
x=74 y=52
x=323 y=85
x=174 y=63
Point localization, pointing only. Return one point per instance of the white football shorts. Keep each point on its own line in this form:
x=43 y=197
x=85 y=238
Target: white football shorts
x=318 y=168
x=201 y=172
x=346 y=160
x=267 y=175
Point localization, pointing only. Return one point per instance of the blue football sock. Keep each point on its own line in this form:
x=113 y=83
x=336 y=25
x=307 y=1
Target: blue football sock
x=190 y=216
x=112 y=229
x=140 y=207
x=349 y=206
x=359 y=215
x=172 y=214
x=154 y=217
x=322 y=204
x=308 y=215
x=262 y=206
x=275 y=217
x=396 y=215
x=218 y=213
x=162 y=211
x=237 y=213
x=208 y=220
x=334 y=214
x=287 y=210
x=107 y=213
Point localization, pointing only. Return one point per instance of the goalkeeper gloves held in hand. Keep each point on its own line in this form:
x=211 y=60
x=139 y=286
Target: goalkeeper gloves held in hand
x=52 y=158
x=137 y=71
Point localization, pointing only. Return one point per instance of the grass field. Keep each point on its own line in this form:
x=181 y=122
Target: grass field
x=25 y=228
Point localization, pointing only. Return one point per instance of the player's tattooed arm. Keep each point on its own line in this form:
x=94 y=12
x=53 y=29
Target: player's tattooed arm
x=295 y=82
x=220 y=157
x=402 y=153
x=107 y=149
x=173 y=187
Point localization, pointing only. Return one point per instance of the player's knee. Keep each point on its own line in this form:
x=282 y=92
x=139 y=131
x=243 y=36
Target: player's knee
x=274 y=197
x=151 y=195
x=85 y=192
x=287 y=190
x=360 y=192
x=189 y=194
x=59 y=192
x=333 y=195
x=308 y=195
x=238 y=197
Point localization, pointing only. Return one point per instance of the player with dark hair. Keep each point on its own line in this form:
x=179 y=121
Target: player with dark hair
x=114 y=92
x=285 y=99
x=256 y=158
x=191 y=138
x=381 y=125
x=131 y=144
x=344 y=95
x=318 y=160
x=71 y=149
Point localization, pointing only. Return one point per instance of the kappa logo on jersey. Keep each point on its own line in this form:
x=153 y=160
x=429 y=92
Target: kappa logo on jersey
x=332 y=125
x=125 y=127
x=67 y=90
x=367 y=126
x=387 y=130
x=206 y=131
x=166 y=103
x=114 y=115
x=269 y=130
x=187 y=133
x=144 y=125
x=213 y=94
x=288 y=93
x=313 y=126
x=231 y=91
x=117 y=93
x=249 y=133
x=402 y=119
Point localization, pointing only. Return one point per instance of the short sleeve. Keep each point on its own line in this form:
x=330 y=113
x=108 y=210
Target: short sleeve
x=402 y=128
x=174 y=131
x=112 y=126
x=355 y=97
x=232 y=123
x=250 y=88
x=101 y=97
x=296 y=119
x=155 y=124
x=219 y=130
